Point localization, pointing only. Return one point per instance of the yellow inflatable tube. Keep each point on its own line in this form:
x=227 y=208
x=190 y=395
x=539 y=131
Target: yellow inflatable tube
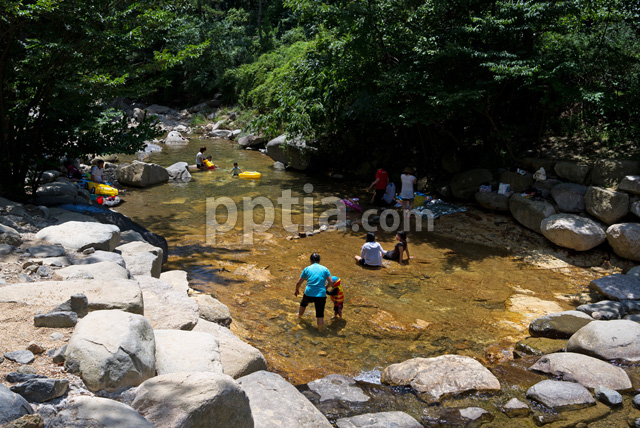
x=101 y=189
x=250 y=175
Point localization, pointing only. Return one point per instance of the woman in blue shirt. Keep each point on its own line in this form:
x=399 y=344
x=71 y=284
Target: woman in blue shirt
x=317 y=277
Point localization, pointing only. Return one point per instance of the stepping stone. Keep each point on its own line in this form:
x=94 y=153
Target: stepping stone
x=559 y=395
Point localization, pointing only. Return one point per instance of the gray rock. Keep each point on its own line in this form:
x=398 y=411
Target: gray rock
x=112 y=350
x=569 y=197
x=608 y=340
x=58 y=356
x=267 y=391
x=56 y=261
x=606 y=205
x=131 y=236
x=294 y=152
x=379 y=420
x=634 y=272
x=44 y=271
x=492 y=201
x=41 y=390
x=617 y=287
x=212 y=309
x=78 y=303
x=9 y=236
x=560 y=395
x=516 y=408
x=238 y=358
x=179 y=171
x=338 y=387
x=475 y=414
x=176 y=279
x=96 y=412
x=174 y=138
x=587 y=371
x=221 y=133
x=140 y=174
x=186 y=351
x=624 y=238
x=609 y=172
x=517 y=182
x=100 y=270
x=528 y=212
x=630 y=184
x=164 y=307
x=545 y=186
x=138 y=114
x=12 y=405
x=56 y=193
x=573 y=231
x=279 y=166
x=560 y=325
x=20 y=357
x=636 y=401
x=79 y=236
x=435 y=378
x=46 y=251
x=6 y=249
x=635 y=208
x=198 y=400
x=572 y=171
x=608 y=310
x=251 y=141
x=466 y=184
x=56 y=336
x=608 y=396
x=15 y=377
x=142 y=259
x=56 y=320
x=103 y=256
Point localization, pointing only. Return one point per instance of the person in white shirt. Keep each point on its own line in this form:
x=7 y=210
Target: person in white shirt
x=390 y=195
x=200 y=158
x=96 y=172
x=408 y=180
x=371 y=252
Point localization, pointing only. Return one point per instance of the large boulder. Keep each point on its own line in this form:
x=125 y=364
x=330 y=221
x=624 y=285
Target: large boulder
x=435 y=378
x=177 y=279
x=606 y=205
x=604 y=309
x=528 y=212
x=238 y=358
x=12 y=405
x=583 y=369
x=57 y=193
x=617 y=340
x=111 y=350
x=569 y=197
x=196 y=400
x=517 y=182
x=166 y=308
x=186 y=351
x=630 y=184
x=179 y=171
x=294 y=152
x=559 y=395
x=97 y=412
x=573 y=231
x=560 y=325
x=492 y=201
x=338 y=387
x=609 y=172
x=268 y=391
x=572 y=171
x=79 y=236
x=251 y=141
x=212 y=309
x=379 y=420
x=175 y=139
x=141 y=258
x=9 y=236
x=140 y=174
x=624 y=238
x=617 y=287
x=100 y=270
x=466 y=184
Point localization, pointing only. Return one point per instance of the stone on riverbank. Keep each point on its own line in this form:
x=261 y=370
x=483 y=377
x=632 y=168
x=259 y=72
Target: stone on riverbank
x=9 y=236
x=61 y=191
x=21 y=357
x=84 y=412
x=572 y=171
x=528 y=212
x=465 y=184
x=606 y=309
x=609 y=172
x=12 y=405
x=238 y=358
x=197 y=400
x=624 y=238
x=268 y=391
x=559 y=395
x=140 y=174
x=492 y=201
x=569 y=197
x=634 y=272
x=141 y=258
x=515 y=408
x=62 y=319
x=251 y=141
x=573 y=231
x=174 y=138
x=179 y=171
x=41 y=390
x=79 y=236
x=293 y=152
x=111 y=350
x=338 y=387
x=164 y=307
x=100 y=270
x=212 y=309
x=606 y=205
x=177 y=279
x=435 y=378
x=540 y=346
x=608 y=396
x=43 y=251
x=617 y=287
x=583 y=369
x=630 y=184
x=560 y=325
x=608 y=340
x=379 y=420
x=186 y=351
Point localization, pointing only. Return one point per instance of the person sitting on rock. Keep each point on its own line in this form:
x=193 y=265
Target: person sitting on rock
x=97 y=172
x=200 y=158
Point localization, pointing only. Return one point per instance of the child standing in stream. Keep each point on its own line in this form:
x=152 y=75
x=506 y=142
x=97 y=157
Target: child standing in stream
x=336 y=294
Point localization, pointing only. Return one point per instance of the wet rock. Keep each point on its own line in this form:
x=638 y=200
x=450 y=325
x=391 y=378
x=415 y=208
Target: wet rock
x=379 y=420
x=43 y=251
x=435 y=378
x=471 y=417
x=559 y=325
x=267 y=391
x=573 y=231
x=608 y=340
x=96 y=412
x=559 y=395
x=528 y=212
x=164 y=307
x=20 y=357
x=142 y=259
x=212 y=309
x=465 y=184
x=12 y=405
x=587 y=371
x=569 y=197
x=630 y=184
x=517 y=182
x=492 y=201
x=238 y=358
x=179 y=171
x=608 y=310
x=624 y=238
x=609 y=172
x=102 y=256
x=608 y=396
x=606 y=205
x=140 y=174
x=186 y=351
x=476 y=415
x=79 y=236
x=41 y=390
x=540 y=345
x=176 y=279
x=516 y=408
x=16 y=377
x=112 y=350
x=9 y=236
x=337 y=387
x=56 y=320
x=572 y=171
x=617 y=287
x=199 y=399
x=100 y=270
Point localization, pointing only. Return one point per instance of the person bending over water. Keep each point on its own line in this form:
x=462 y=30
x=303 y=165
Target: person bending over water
x=371 y=252
x=318 y=278
x=398 y=251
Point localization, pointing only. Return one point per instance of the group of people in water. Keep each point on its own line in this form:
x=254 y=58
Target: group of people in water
x=206 y=163
x=385 y=189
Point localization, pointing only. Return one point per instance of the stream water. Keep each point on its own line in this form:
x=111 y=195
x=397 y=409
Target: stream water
x=451 y=298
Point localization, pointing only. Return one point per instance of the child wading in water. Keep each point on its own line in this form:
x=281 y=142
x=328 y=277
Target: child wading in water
x=337 y=296
x=235 y=171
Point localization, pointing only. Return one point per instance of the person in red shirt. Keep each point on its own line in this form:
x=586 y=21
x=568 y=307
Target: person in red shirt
x=380 y=183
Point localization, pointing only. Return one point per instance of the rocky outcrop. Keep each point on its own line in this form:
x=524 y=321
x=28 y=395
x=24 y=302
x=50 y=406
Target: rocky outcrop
x=58 y=192
x=9 y=236
x=251 y=141
x=606 y=205
x=176 y=279
x=140 y=174
x=295 y=153
x=466 y=184
x=573 y=231
x=529 y=212
x=186 y=351
x=79 y=236
x=624 y=238
x=608 y=340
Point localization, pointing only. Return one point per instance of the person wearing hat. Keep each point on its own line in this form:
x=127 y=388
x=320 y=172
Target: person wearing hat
x=407 y=195
x=336 y=294
x=318 y=279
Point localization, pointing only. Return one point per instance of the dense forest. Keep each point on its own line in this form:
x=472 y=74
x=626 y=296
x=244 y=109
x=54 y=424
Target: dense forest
x=375 y=79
